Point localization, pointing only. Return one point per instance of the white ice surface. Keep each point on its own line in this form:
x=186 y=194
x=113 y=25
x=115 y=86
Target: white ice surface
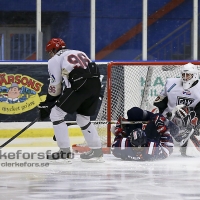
x=176 y=178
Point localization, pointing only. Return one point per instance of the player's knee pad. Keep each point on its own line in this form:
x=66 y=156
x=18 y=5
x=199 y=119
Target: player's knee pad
x=83 y=121
x=57 y=114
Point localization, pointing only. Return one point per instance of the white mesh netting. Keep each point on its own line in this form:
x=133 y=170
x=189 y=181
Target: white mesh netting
x=132 y=85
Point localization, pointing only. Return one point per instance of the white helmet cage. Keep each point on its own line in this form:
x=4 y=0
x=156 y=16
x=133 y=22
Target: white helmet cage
x=192 y=70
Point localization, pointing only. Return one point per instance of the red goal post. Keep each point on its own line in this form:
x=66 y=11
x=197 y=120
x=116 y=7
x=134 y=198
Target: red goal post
x=130 y=84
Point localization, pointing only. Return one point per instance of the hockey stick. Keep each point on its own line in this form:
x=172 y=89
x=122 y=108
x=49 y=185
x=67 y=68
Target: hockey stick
x=19 y=133
x=111 y=122
x=69 y=123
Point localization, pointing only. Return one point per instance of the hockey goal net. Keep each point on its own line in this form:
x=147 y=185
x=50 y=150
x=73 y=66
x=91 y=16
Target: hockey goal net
x=130 y=84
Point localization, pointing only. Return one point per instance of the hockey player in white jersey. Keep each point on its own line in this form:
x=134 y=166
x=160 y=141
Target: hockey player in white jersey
x=80 y=95
x=181 y=99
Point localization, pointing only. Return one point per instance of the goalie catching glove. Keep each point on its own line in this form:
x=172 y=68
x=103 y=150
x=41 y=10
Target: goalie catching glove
x=185 y=116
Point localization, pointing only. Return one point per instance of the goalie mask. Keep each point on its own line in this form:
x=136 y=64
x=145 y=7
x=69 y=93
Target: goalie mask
x=189 y=74
x=138 y=138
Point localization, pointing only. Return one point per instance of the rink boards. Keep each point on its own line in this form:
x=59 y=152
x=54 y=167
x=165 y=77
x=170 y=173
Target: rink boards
x=39 y=129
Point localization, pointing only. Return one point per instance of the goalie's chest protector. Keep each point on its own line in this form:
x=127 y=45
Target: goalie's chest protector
x=177 y=95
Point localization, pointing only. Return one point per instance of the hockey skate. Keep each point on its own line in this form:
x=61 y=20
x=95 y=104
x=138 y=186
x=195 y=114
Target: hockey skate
x=62 y=154
x=94 y=155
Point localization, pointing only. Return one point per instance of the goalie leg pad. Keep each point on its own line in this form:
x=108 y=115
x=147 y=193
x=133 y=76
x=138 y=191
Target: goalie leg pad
x=188 y=135
x=174 y=129
x=193 y=146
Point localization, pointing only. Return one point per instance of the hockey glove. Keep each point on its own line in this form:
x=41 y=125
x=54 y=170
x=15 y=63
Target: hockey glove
x=159 y=121
x=44 y=110
x=118 y=130
x=193 y=119
x=182 y=113
x=45 y=107
x=187 y=116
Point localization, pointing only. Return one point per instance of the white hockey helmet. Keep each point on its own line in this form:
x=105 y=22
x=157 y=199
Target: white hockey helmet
x=189 y=74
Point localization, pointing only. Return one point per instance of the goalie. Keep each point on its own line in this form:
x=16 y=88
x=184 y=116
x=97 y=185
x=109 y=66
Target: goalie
x=142 y=142
x=180 y=100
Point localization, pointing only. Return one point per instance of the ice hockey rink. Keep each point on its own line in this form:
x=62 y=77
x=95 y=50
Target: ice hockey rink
x=175 y=178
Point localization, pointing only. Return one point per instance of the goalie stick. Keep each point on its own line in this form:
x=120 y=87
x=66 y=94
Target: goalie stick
x=19 y=133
